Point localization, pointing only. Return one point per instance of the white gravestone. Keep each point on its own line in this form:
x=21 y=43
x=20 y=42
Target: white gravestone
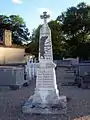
x=46 y=95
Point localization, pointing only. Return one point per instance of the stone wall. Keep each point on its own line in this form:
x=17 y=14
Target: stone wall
x=11 y=55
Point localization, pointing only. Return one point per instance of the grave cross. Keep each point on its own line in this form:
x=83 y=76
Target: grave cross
x=44 y=16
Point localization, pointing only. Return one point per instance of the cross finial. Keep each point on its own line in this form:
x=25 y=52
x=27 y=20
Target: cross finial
x=44 y=16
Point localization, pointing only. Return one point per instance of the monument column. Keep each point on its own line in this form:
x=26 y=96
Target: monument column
x=46 y=95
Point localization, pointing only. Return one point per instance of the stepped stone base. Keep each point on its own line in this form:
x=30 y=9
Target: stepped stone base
x=52 y=105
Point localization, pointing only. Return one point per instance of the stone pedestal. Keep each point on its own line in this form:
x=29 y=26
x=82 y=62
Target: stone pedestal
x=46 y=98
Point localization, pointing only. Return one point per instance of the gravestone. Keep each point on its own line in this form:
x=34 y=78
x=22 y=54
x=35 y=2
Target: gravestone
x=7 y=38
x=46 y=99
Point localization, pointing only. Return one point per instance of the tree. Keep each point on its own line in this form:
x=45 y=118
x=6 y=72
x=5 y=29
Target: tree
x=33 y=46
x=4 y=24
x=57 y=40
x=17 y=25
x=76 y=27
x=70 y=33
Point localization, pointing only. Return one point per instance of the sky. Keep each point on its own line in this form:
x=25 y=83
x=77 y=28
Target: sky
x=30 y=10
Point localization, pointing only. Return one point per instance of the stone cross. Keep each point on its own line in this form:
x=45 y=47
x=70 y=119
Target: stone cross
x=44 y=16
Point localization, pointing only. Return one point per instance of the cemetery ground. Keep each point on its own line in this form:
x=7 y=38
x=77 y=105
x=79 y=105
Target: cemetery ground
x=11 y=102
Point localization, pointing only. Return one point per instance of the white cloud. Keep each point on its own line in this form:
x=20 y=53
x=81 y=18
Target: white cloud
x=41 y=10
x=17 y=1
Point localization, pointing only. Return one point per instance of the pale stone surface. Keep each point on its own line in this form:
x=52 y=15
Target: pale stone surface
x=36 y=105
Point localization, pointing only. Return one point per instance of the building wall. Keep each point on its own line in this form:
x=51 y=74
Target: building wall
x=11 y=55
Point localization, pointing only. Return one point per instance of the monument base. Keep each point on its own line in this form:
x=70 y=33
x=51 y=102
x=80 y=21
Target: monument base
x=52 y=104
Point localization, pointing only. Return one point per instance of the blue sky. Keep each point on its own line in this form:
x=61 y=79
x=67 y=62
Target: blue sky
x=30 y=10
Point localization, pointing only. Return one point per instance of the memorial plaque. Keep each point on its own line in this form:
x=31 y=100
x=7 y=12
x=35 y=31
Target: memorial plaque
x=45 y=77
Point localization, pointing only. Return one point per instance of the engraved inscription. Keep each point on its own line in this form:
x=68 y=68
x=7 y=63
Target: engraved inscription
x=45 y=78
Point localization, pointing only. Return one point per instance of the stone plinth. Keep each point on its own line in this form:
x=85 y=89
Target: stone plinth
x=41 y=108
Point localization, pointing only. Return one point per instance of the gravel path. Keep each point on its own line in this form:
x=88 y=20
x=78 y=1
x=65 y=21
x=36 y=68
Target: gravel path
x=11 y=101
